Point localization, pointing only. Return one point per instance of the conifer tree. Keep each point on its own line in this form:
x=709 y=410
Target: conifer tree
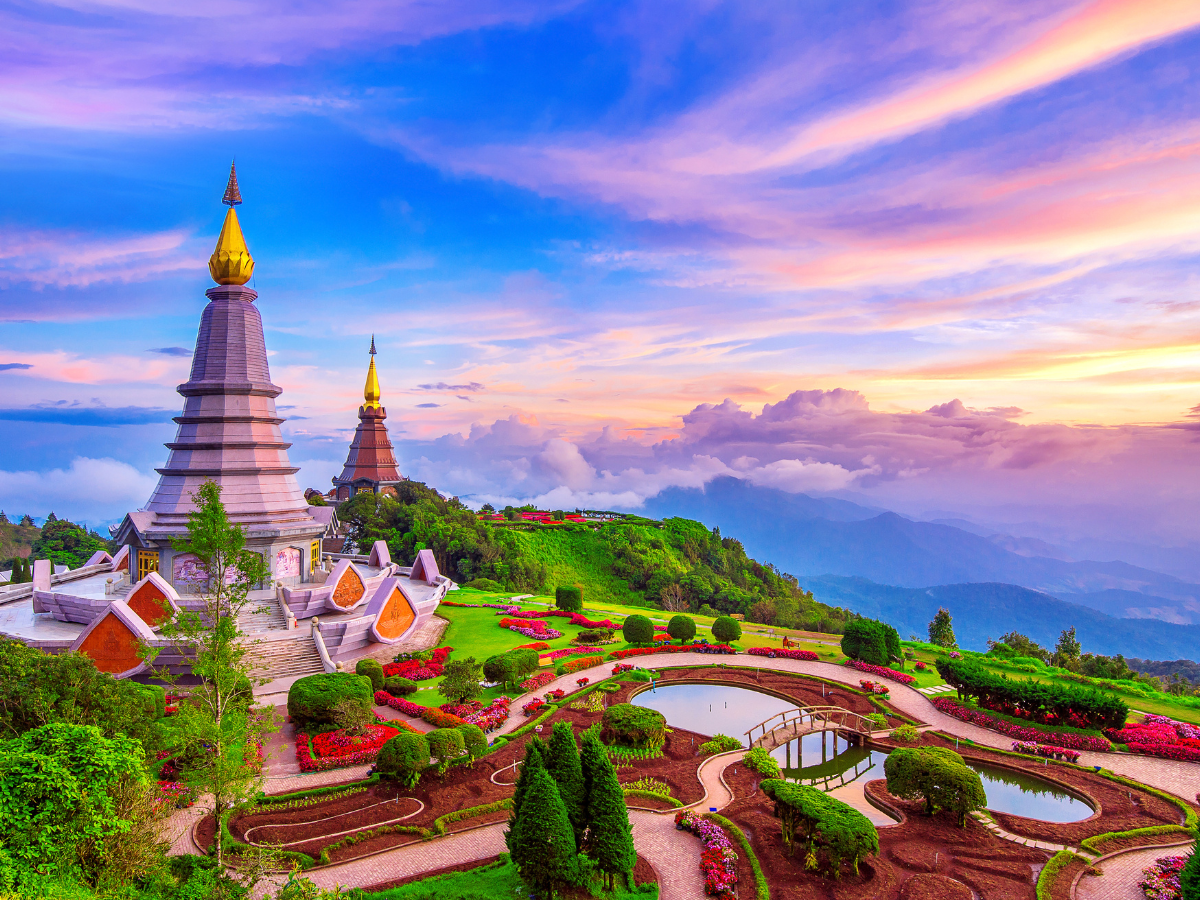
x=534 y=761
x=610 y=837
x=562 y=762
x=541 y=840
x=941 y=629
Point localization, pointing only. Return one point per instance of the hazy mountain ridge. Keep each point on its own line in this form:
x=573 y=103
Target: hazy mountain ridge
x=983 y=611
x=813 y=536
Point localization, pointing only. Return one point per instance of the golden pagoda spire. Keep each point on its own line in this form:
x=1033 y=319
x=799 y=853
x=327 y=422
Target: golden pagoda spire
x=231 y=262
x=371 y=392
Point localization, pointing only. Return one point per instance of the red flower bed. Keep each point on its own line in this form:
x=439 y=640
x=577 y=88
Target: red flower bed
x=773 y=652
x=335 y=750
x=585 y=662
x=1143 y=734
x=533 y=707
x=581 y=681
x=383 y=698
x=462 y=710
x=873 y=688
x=536 y=645
x=439 y=719
x=723 y=649
x=492 y=716
x=537 y=681
x=619 y=668
x=1020 y=732
x=881 y=671
x=1167 y=751
x=416 y=670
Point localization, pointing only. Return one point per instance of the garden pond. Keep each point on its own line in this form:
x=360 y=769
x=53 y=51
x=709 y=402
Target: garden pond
x=828 y=761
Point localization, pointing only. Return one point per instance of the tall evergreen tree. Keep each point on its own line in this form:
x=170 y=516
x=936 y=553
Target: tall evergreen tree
x=610 y=837
x=534 y=761
x=562 y=762
x=541 y=840
x=941 y=629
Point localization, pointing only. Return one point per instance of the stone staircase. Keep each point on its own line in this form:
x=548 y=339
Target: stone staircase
x=262 y=615
x=286 y=658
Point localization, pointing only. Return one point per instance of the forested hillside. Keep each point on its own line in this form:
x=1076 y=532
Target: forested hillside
x=678 y=564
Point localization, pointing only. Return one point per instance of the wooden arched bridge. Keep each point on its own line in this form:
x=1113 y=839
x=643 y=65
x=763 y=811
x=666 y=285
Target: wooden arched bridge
x=793 y=723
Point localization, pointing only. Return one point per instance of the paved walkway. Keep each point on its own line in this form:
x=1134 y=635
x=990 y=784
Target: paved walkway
x=1121 y=875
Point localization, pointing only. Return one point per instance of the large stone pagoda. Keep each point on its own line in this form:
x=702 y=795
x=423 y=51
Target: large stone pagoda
x=229 y=433
x=370 y=464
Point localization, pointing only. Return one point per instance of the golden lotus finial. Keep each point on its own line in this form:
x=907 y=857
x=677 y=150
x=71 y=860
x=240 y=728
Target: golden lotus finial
x=231 y=262
x=371 y=393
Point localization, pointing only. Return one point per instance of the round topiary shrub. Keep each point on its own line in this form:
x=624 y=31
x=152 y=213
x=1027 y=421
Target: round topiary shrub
x=399 y=686
x=637 y=630
x=404 y=758
x=633 y=726
x=373 y=670
x=474 y=740
x=312 y=699
x=569 y=598
x=445 y=745
x=682 y=628
x=726 y=630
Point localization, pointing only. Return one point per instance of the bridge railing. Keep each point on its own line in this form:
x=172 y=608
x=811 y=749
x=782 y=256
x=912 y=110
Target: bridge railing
x=811 y=718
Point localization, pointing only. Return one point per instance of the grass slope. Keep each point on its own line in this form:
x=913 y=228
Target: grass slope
x=498 y=881
x=579 y=558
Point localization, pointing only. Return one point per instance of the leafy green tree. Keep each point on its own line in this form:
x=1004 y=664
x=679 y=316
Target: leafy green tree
x=682 y=628
x=563 y=764
x=38 y=688
x=220 y=731
x=541 y=840
x=1189 y=877
x=726 y=629
x=1066 y=653
x=569 y=598
x=865 y=639
x=637 y=629
x=941 y=629
x=535 y=759
x=1022 y=646
x=66 y=543
x=936 y=775
x=70 y=797
x=474 y=740
x=460 y=680
x=609 y=841
x=404 y=758
x=445 y=745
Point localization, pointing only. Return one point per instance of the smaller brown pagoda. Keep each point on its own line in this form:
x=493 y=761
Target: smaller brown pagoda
x=371 y=464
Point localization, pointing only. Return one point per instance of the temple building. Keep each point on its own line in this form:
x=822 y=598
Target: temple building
x=318 y=612
x=370 y=464
x=229 y=433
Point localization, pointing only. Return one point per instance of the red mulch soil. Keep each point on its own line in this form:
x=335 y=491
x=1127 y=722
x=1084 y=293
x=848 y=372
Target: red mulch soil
x=948 y=860
x=1118 y=808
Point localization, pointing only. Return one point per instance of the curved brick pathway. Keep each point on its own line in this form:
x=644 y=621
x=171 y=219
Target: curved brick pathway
x=675 y=855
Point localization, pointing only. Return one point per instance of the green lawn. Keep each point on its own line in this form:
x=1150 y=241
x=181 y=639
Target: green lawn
x=494 y=882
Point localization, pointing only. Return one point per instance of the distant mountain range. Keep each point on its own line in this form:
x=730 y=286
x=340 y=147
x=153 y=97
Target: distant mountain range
x=813 y=537
x=983 y=611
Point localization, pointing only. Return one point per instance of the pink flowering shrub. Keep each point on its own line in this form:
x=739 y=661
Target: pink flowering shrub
x=718 y=861
x=174 y=794
x=787 y=653
x=537 y=681
x=1180 y=752
x=1020 y=732
x=1160 y=881
x=872 y=688
x=1142 y=734
x=881 y=671
x=1035 y=749
x=490 y=717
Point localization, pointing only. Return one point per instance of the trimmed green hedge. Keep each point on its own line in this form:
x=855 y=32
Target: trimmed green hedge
x=1093 y=843
x=1058 y=862
x=312 y=698
x=569 y=598
x=1096 y=708
x=650 y=795
x=871 y=641
x=633 y=726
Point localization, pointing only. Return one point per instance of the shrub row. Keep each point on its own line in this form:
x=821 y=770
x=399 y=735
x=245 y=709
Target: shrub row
x=722 y=649
x=1050 y=704
x=585 y=662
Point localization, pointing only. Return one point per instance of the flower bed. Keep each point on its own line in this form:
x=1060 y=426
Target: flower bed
x=1020 y=732
x=462 y=710
x=439 y=719
x=1160 y=736
x=1047 y=750
x=383 y=698
x=718 y=861
x=872 y=687
x=691 y=648
x=1160 y=881
x=418 y=670
x=586 y=662
x=174 y=794
x=533 y=707
x=581 y=681
x=536 y=645
x=785 y=653
x=621 y=668
x=532 y=629
x=537 y=681
x=491 y=717
x=570 y=651
x=881 y=671
x=336 y=750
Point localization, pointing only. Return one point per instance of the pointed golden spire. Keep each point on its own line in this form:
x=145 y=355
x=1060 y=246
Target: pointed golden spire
x=371 y=392
x=231 y=262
